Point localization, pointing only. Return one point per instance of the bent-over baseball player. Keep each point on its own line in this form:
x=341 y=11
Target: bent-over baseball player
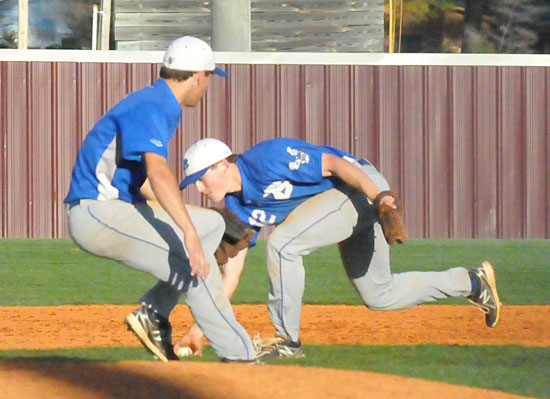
x=108 y=215
x=318 y=196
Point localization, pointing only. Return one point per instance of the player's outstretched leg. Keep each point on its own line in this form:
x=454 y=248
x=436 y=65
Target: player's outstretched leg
x=484 y=293
x=154 y=331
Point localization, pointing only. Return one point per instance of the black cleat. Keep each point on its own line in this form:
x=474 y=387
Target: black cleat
x=485 y=294
x=288 y=349
x=154 y=331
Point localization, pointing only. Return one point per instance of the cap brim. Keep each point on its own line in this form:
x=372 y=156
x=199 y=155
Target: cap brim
x=219 y=72
x=193 y=178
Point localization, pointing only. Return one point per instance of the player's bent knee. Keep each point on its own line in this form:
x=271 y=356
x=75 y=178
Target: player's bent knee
x=218 y=225
x=281 y=246
x=374 y=301
x=210 y=227
x=387 y=305
x=213 y=220
x=281 y=239
x=274 y=243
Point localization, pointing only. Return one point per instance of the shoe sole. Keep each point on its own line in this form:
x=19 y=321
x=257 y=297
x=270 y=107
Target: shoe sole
x=489 y=271
x=297 y=355
x=255 y=362
x=135 y=326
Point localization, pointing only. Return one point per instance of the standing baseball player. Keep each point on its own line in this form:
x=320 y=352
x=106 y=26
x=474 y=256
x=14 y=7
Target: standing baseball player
x=108 y=214
x=318 y=196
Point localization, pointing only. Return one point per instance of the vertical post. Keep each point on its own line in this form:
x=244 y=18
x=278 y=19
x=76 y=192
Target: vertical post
x=400 y=26
x=391 y=29
x=23 y=30
x=94 y=27
x=231 y=26
x=105 y=25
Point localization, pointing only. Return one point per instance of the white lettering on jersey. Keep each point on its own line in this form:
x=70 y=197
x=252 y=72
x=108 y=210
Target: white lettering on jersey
x=259 y=218
x=352 y=160
x=105 y=172
x=280 y=190
x=349 y=159
x=301 y=157
x=156 y=142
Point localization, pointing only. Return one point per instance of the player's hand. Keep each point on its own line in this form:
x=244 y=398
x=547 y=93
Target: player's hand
x=388 y=200
x=390 y=215
x=197 y=260
x=190 y=341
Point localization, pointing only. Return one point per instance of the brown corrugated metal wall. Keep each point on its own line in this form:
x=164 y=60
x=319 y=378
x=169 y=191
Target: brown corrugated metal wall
x=467 y=147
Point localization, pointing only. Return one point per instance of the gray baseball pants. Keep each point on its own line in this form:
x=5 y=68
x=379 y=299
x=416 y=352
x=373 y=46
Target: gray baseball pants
x=144 y=237
x=344 y=216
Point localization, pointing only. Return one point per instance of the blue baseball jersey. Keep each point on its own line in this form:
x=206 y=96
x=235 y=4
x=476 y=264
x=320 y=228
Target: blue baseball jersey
x=110 y=164
x=278 y=175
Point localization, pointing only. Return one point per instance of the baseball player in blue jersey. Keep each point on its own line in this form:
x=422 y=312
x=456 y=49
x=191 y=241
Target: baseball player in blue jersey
x=318 y=196
x=123 y=161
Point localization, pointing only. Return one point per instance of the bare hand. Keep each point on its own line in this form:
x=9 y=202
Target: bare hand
x=193 y=342
x=197 y=260
x=389 y=201
x=390 y=215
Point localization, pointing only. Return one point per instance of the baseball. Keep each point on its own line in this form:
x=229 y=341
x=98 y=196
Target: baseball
x=184 y=351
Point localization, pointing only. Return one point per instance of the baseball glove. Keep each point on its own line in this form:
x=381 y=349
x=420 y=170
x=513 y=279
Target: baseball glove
x=237 y=236
x=391 y=219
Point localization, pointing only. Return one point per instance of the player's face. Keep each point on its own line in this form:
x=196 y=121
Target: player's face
x=213 y=183
x=202 y=80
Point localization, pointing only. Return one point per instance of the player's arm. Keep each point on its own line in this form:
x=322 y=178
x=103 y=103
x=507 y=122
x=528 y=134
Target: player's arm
x=231 y=275
x=232 y=271
x=165 y=189
x=335 y=166
x=147 y=191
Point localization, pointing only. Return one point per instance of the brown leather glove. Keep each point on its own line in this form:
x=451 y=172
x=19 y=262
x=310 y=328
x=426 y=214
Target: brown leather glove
x=237 y=236
x=391 y=219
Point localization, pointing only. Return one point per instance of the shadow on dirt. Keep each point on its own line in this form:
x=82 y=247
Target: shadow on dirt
x=106 y=380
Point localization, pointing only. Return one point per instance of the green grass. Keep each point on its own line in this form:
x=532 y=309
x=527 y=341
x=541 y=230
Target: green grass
x=53 y=272
x=111 y=354
x=524 y=371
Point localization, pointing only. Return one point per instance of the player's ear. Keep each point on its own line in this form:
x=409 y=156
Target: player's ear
x=200 y=76
x=197 y=77
x=223 y=164
x=199 y=185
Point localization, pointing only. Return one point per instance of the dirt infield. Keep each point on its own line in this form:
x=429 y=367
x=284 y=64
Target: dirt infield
x=148 y=380
x=101 y=325
x=38 y=327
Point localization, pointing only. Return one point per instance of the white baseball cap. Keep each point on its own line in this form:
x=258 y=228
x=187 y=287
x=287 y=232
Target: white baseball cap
x=191 y=54
x=201 y=156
